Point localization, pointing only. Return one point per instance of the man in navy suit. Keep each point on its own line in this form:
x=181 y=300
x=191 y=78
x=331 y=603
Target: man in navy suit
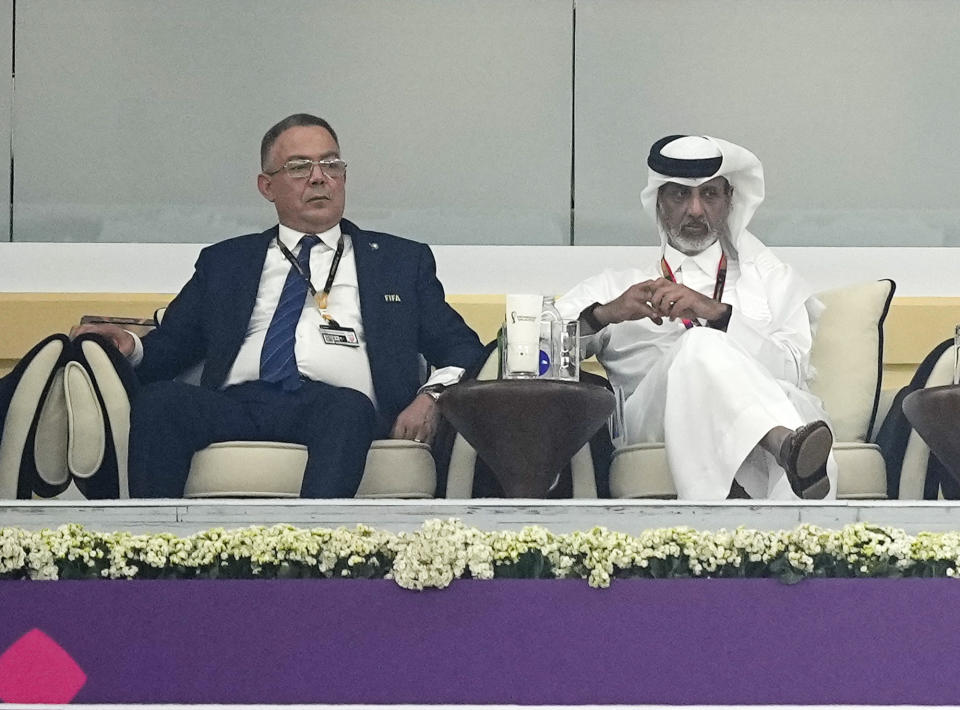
x=311 y=332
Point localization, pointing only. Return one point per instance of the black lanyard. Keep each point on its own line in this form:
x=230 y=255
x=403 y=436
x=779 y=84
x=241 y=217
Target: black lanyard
x=319 y=298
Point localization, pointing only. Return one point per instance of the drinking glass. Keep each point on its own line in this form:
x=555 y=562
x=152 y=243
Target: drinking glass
x=956 y=354
x=568 y=360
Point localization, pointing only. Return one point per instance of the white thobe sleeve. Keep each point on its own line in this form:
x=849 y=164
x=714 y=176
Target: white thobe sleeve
x=784 y=351
x=597 y=289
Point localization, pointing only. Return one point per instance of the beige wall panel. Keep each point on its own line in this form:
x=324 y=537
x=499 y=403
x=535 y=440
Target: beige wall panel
x=914 y=325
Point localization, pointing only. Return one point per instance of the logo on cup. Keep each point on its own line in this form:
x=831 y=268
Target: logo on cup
x=525 y=319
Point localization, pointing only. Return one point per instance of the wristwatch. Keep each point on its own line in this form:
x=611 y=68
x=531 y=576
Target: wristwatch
x=590 y=318
x=433 y=390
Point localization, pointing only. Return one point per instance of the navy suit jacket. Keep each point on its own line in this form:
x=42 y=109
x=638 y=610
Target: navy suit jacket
x=208 y=319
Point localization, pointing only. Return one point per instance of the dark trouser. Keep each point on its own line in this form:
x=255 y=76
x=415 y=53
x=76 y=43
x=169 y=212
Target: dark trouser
x=169 y=421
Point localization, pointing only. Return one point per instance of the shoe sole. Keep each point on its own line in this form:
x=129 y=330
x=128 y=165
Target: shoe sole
x=817 y=490
x=813 y=452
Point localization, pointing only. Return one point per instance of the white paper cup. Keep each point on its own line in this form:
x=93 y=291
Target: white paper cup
x=522 y=335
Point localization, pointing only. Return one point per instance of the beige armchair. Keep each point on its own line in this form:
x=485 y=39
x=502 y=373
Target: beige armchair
x=917 y=453
x=53 y=430
x=394 y=468
x=848 y=358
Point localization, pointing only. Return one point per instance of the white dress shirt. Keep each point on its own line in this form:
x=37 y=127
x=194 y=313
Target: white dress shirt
x=338 y=365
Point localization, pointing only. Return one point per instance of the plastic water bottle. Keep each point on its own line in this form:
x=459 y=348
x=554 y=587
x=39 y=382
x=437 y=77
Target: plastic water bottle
x=550 y=332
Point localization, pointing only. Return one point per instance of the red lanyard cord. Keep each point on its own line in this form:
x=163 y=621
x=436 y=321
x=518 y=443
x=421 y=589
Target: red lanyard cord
x=717 y=287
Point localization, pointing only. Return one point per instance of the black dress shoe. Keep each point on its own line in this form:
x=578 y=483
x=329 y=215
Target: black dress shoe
x=803 y=455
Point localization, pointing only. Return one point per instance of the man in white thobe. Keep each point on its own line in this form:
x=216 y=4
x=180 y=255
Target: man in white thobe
x=710 y=346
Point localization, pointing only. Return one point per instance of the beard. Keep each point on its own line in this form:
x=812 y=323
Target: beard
x=696 y=242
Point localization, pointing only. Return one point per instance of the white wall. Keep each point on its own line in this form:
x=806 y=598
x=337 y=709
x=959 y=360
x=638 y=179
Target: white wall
x=163 y=268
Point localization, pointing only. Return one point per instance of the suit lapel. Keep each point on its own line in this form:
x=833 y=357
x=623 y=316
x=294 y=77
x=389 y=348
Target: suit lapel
x=249 y=269
x=371 y=282
x=237 y=294
x=369 y=278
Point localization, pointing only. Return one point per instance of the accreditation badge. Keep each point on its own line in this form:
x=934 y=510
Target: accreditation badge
x=338 y=335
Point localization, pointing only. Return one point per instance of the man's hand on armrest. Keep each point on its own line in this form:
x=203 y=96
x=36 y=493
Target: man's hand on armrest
x=418 y=421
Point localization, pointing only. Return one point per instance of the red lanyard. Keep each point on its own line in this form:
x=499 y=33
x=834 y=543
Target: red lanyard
x=717 y=287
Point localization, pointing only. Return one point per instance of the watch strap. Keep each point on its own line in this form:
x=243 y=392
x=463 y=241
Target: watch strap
x=588 y=317
x=434 y=390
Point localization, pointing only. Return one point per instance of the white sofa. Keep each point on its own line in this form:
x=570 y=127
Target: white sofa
x=72 y=440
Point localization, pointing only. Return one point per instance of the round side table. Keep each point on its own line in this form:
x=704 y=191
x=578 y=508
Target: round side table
x=526 y=430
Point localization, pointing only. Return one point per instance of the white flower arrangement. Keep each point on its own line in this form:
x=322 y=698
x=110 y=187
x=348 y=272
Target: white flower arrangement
x=441 y=551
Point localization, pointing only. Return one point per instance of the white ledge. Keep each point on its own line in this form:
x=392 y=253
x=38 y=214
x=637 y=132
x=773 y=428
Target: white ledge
x=630 y=516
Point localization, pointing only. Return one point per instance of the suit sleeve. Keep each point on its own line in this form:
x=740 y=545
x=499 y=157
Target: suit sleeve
x=445 y=339
x=178 y=342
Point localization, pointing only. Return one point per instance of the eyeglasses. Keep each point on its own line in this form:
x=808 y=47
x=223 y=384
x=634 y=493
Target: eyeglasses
x=300 y=168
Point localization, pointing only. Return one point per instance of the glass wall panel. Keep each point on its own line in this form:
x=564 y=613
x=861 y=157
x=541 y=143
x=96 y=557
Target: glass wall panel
x=851 y=105
x=6 y=94
x=141 y=121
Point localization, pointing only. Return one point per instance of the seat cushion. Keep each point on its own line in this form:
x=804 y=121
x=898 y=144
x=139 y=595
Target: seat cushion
x=641 y=471
x=247 y=469
x=398 y=468
x=847 y=356
x=29 y=428
x=51 y=436
x=87 y=431
x=862 y=471
x=115 y=384
x=395 y=468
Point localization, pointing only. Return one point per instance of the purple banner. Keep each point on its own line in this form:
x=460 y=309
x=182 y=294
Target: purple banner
x=506 y=641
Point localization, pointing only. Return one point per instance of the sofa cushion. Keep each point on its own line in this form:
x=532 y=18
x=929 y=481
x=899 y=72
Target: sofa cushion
x=86 y=430
x=395 y=468
x=847 y=355
x=106 y=411
x=641 y=471
x=27 y=424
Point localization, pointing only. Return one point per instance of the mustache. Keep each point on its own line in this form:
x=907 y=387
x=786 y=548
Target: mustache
x=713 y=232
x=697 y=222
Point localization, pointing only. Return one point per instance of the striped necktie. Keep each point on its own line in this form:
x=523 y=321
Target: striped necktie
x=278 y=362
